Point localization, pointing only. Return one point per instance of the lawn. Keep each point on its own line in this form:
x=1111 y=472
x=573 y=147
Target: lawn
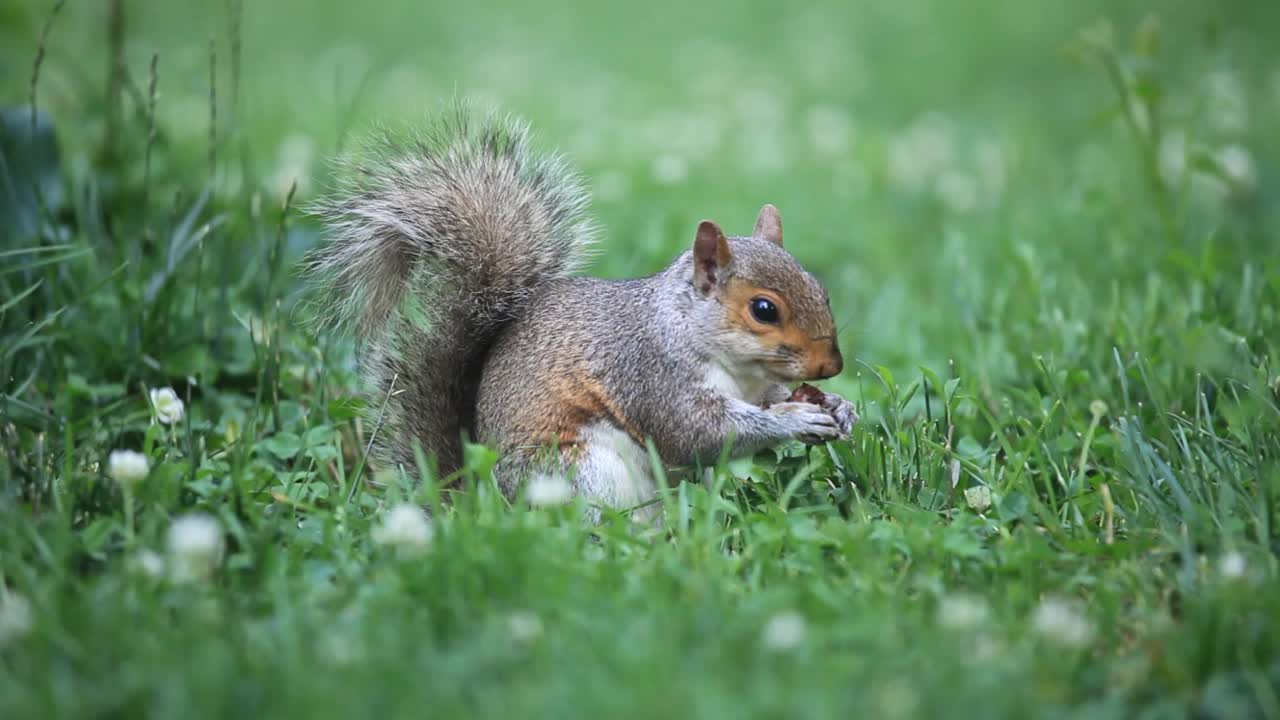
x=1052 y=243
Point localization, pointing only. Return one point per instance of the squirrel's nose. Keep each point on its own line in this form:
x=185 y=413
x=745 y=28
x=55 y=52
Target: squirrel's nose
x=832 y=365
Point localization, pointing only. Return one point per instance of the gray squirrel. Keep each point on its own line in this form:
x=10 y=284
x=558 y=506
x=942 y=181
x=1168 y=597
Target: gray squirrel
x=453 y=258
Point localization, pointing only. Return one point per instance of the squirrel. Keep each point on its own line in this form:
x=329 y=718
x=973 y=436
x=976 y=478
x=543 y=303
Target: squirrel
x=454 y=255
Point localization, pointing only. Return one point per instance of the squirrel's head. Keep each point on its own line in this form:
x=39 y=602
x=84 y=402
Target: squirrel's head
x=770 y=314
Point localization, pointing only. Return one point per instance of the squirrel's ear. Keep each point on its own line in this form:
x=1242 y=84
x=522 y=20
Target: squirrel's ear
x=710 y=255
x=769 y=225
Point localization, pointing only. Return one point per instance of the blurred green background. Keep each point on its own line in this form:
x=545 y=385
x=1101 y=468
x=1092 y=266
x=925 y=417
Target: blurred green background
x=887 y=133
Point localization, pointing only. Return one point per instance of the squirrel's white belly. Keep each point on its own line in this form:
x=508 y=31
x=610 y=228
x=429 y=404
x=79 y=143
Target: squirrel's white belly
x=615 y=470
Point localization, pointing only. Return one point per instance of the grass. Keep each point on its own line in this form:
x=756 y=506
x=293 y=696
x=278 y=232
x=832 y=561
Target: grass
x=1050 y=243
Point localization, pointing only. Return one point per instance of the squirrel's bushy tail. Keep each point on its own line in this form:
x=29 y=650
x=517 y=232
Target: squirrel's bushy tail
x=438 y=241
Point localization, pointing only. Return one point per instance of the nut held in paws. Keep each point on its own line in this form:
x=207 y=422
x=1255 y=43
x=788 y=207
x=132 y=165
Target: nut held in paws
x=807 y=393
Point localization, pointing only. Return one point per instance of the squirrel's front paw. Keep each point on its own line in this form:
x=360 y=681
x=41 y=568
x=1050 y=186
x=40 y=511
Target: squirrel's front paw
x=843 y=412
x=807 y=422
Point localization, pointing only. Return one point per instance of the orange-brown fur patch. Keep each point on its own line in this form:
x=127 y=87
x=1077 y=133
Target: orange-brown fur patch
x=737 y=300
x=568 y=402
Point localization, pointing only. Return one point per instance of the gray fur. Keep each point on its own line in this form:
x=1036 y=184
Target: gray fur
x=439 y=241
x=452 y=257
x=649 y=342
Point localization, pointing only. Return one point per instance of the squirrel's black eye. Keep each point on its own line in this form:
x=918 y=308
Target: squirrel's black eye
x=763 y=310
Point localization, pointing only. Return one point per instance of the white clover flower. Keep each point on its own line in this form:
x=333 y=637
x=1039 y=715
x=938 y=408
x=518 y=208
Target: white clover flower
x=1060 y=621
x=524 y=626
x=340 y=647
x=850 y=179
x=957 y=190
x=764 y=150
x=293 y=165
x=404 y=526
x=127 y=467
x=342 y=644
x=960 y=612
x=986 y=648
x=978 y=497
x=992 y=168
x=15 y=616
x=1237 y=164
x=669 y=169
x=921 y=152
x=147 y=563
x=830 y=130
x=548 y=490
x=761 y=106
x=195 y=547
x=1232 y=565
x=684 y=134
x=587 y=143
x=897 y=699
x=1227 y=101
x=784 y=631
x=168 y=407
x=611 y=185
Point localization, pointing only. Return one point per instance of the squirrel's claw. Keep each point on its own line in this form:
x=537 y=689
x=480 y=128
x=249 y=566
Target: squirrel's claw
x=843 y=412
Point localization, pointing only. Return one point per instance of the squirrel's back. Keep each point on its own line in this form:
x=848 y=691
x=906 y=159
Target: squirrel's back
x=438 y=242
x=567 y=361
